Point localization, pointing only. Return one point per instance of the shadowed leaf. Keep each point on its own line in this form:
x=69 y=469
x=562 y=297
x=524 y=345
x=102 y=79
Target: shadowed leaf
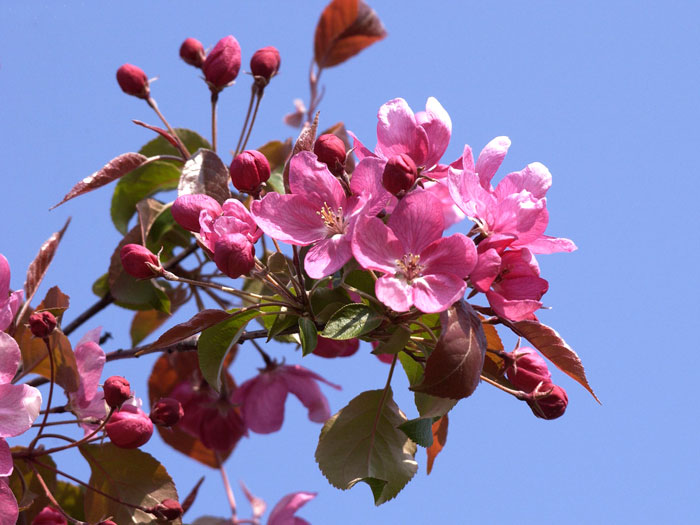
x=305 y=142
x=205 y=173
x=308 y=335
x=276 y=152
x=31 y=496
x=352 y=320
x=439 y=430
x=419 y=430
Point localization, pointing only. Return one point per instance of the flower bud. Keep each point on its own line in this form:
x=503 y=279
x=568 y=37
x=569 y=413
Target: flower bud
x=134 y=258
x=187 y=208
x=550 y=406
x=234 y=254
x=399 y=174
x=265 y=62
x=106 y=522
x=249 y=170
x=528 y=369
x=167 y=412
x=41 y=324
x=330 y=150
x=192 y=52
x=49 y=516
x=116 y=390
x=168 y=509
x=129 y=428
x=222 y=64
x=133 y=81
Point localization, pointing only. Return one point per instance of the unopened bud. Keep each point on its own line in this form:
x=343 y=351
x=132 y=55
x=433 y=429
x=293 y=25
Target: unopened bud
x=192 y=52
x=167 y=412
x=249 y=170
x=117 y=390
x=222 y=64
x=399 y=174
x=49 y=516
x=234 y=255
x=528 y=369
x=106 y=522
x=168 y=509
x=133 y=81
x=41 y=324
x=265 y=62
x=549 y=406
x=134 y=258
x=129 y=428
x=187 y=208
x=330 y=150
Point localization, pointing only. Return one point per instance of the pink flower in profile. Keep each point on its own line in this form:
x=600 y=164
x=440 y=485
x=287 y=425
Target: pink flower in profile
x=317 y=213
x=9 y=302
x=283 y=513
x=88 y=400
x=420 y=267
x=262 y=398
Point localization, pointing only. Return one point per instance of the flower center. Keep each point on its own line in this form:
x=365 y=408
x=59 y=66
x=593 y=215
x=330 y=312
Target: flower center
x=333 y=220
x=409 y=268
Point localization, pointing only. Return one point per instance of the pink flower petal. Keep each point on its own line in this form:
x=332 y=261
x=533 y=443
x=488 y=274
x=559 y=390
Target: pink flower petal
x=308 y=176
x=547 y=244
x=367 y=181
x=289 y=218
x=451 y=213
x=328 y=256
x=490 y=160
x=330 y=348
x=302 y=383
x=486 y=270
x=9 y=307
x=90 y=359
x=4 y=277
x=360 y=150
x=466 y=190
x=436 y=293
x=398 y=132
x=438 y=127
x=8 y=504
x=262 y=401
x=417 y=221
x=513 y=310
x=19 y=407
x=375 y=246
x=6 y=464
x=455 y=255
x=9 y=358
x=397 y=294
x=283 y=513
x=535 y=178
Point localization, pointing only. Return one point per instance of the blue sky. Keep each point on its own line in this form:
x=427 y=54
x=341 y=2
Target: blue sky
x=604 y=94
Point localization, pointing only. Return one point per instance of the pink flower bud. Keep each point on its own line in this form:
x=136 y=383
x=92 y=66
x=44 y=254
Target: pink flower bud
x=134 y=258
x=192 y=52
x=552 y=405
x=167 y=412
x=129 y=428
x=331 y=151
x=116 y=390
x=41 y=324
x=106 y=522
x=234 y=255
x=528 y=369
x=187 y=208
x=249 y=170
x=133 y=81
x=222 y=63
x=265 y=62
x=335 y=348
x=49 y=516
x=168 y=509
x=399 y=174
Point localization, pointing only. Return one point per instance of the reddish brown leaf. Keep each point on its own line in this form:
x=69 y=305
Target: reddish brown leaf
x=305 y=142
x=204 y=172
x=345 y=28
x=113 y=170
x=276 y=152
x=454 y=367
x=439 y=440
x=201 y=321
x=148 y=210
x=554 y=348
x=144 y=323
x=163 y=133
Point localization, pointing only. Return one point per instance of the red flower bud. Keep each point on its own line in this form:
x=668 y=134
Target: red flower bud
x=528 y=369
x=41 y=324
x=186 y=210
x=234 y=255
x=116 y=390
x=222 y=63
x=550 y=406
x=49 y=516
x=192 y=52
x=133 y=81
x=330 y=150
x=168 y=509
x=107 y=522
x=265 y=62
x=399 y=174
x=129 y=428
x=167 y=412
x=134 y=258
x=249 y=170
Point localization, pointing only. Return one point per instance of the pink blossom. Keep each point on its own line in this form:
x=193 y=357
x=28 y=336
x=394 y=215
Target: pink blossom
x=262 y=398
x=420 y=267
x=8 y=504
x=9 y=302
x=283 y=513
x=88 y=400
x=336 y=348
x=234 y=218
x=317 y=212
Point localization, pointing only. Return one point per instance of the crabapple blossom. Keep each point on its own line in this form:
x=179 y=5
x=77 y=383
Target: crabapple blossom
x=283 y=512
x=330 y=150
x=42 y=324
x=234 y=219
x=9 y=302
x=550 y=406
x=88 y=401
x=134 y=258
x=49 y=516
x=192 y=52
x=249 y=170
x=167 y=412
x=133 y=81
x=116 y=391
x=187 y=208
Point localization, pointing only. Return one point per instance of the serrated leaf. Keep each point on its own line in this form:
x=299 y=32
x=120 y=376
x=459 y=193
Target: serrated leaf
x=419 y=430
x=352 y=320
x=205 y=173
x=130 y=475
x=362 y=443
x=439 y=431
x=428 y=406
x=159 y=146
x=113 y=170
x=200 y=321
x=215 y=343
x=308 y=335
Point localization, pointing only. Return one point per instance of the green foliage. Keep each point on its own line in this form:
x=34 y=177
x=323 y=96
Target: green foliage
x=352 y=320
x=308 y=335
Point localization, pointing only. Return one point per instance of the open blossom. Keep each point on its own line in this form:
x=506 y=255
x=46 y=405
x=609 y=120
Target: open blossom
x=262 y=398
x=9 y=302
x=420 y=267
x=317 y=213
x=283 y=513
x=88 y=400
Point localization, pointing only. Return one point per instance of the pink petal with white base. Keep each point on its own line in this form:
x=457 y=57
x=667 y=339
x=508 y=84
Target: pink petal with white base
x=398 y=132
x=10 y=356
x=438 y=127
x=308 y=176
x=289 y=218
x=436 y=293
x=90 y=359
x=283 y=513
x=9 y=511
x=367 y=182
x=375 y=246
x=397 y=294
x=490 y=160
x=466 y=190
x=19 y=407
x=417 y=221
x=6 y=464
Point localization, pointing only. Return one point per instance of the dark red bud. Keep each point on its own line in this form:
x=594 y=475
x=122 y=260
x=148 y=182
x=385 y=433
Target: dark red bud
x=168 y=509
x=249 y=170
x=116 y=390
x=134 y=258
x=187 y=208
x=106 y=522
x=550 y=406
x=330 y=150
x=167 y=412
x=133 y=81
x=234 y=255
x=41 y=324
x=399 y=174
x=222 y=64
x=129 y=428
x=528 y=369
x=265 y=62
x=49 y=516
x=192 y=52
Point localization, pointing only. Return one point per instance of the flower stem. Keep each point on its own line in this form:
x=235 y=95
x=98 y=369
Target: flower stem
x=214 y=100
x=51 y=497
x=252 y=121
x=227 y=487
x=48 y=402
x=253 y=91
x=183 y=149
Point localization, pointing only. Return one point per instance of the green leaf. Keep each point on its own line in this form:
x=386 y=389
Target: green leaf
x=308 y=335
x=396 y=342
x=419 y=430
x=362 y=280
x=139 y=184
x=278 y=323
x=71 y=499
x=159 y=146
x=362 y=443
x=428 y=406
x=326 y=301
x=352 y=320
x=166 y=233
x=216 y=342
x=30 y=493
x=276 y=180
x=130 y=475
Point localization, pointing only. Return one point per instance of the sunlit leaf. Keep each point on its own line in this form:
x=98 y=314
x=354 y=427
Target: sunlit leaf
x=201 y=321
x=276 y=152
x=204 y=172
x=159 y=146
x=352 y=320
x=71 y=498
x=439 y=431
